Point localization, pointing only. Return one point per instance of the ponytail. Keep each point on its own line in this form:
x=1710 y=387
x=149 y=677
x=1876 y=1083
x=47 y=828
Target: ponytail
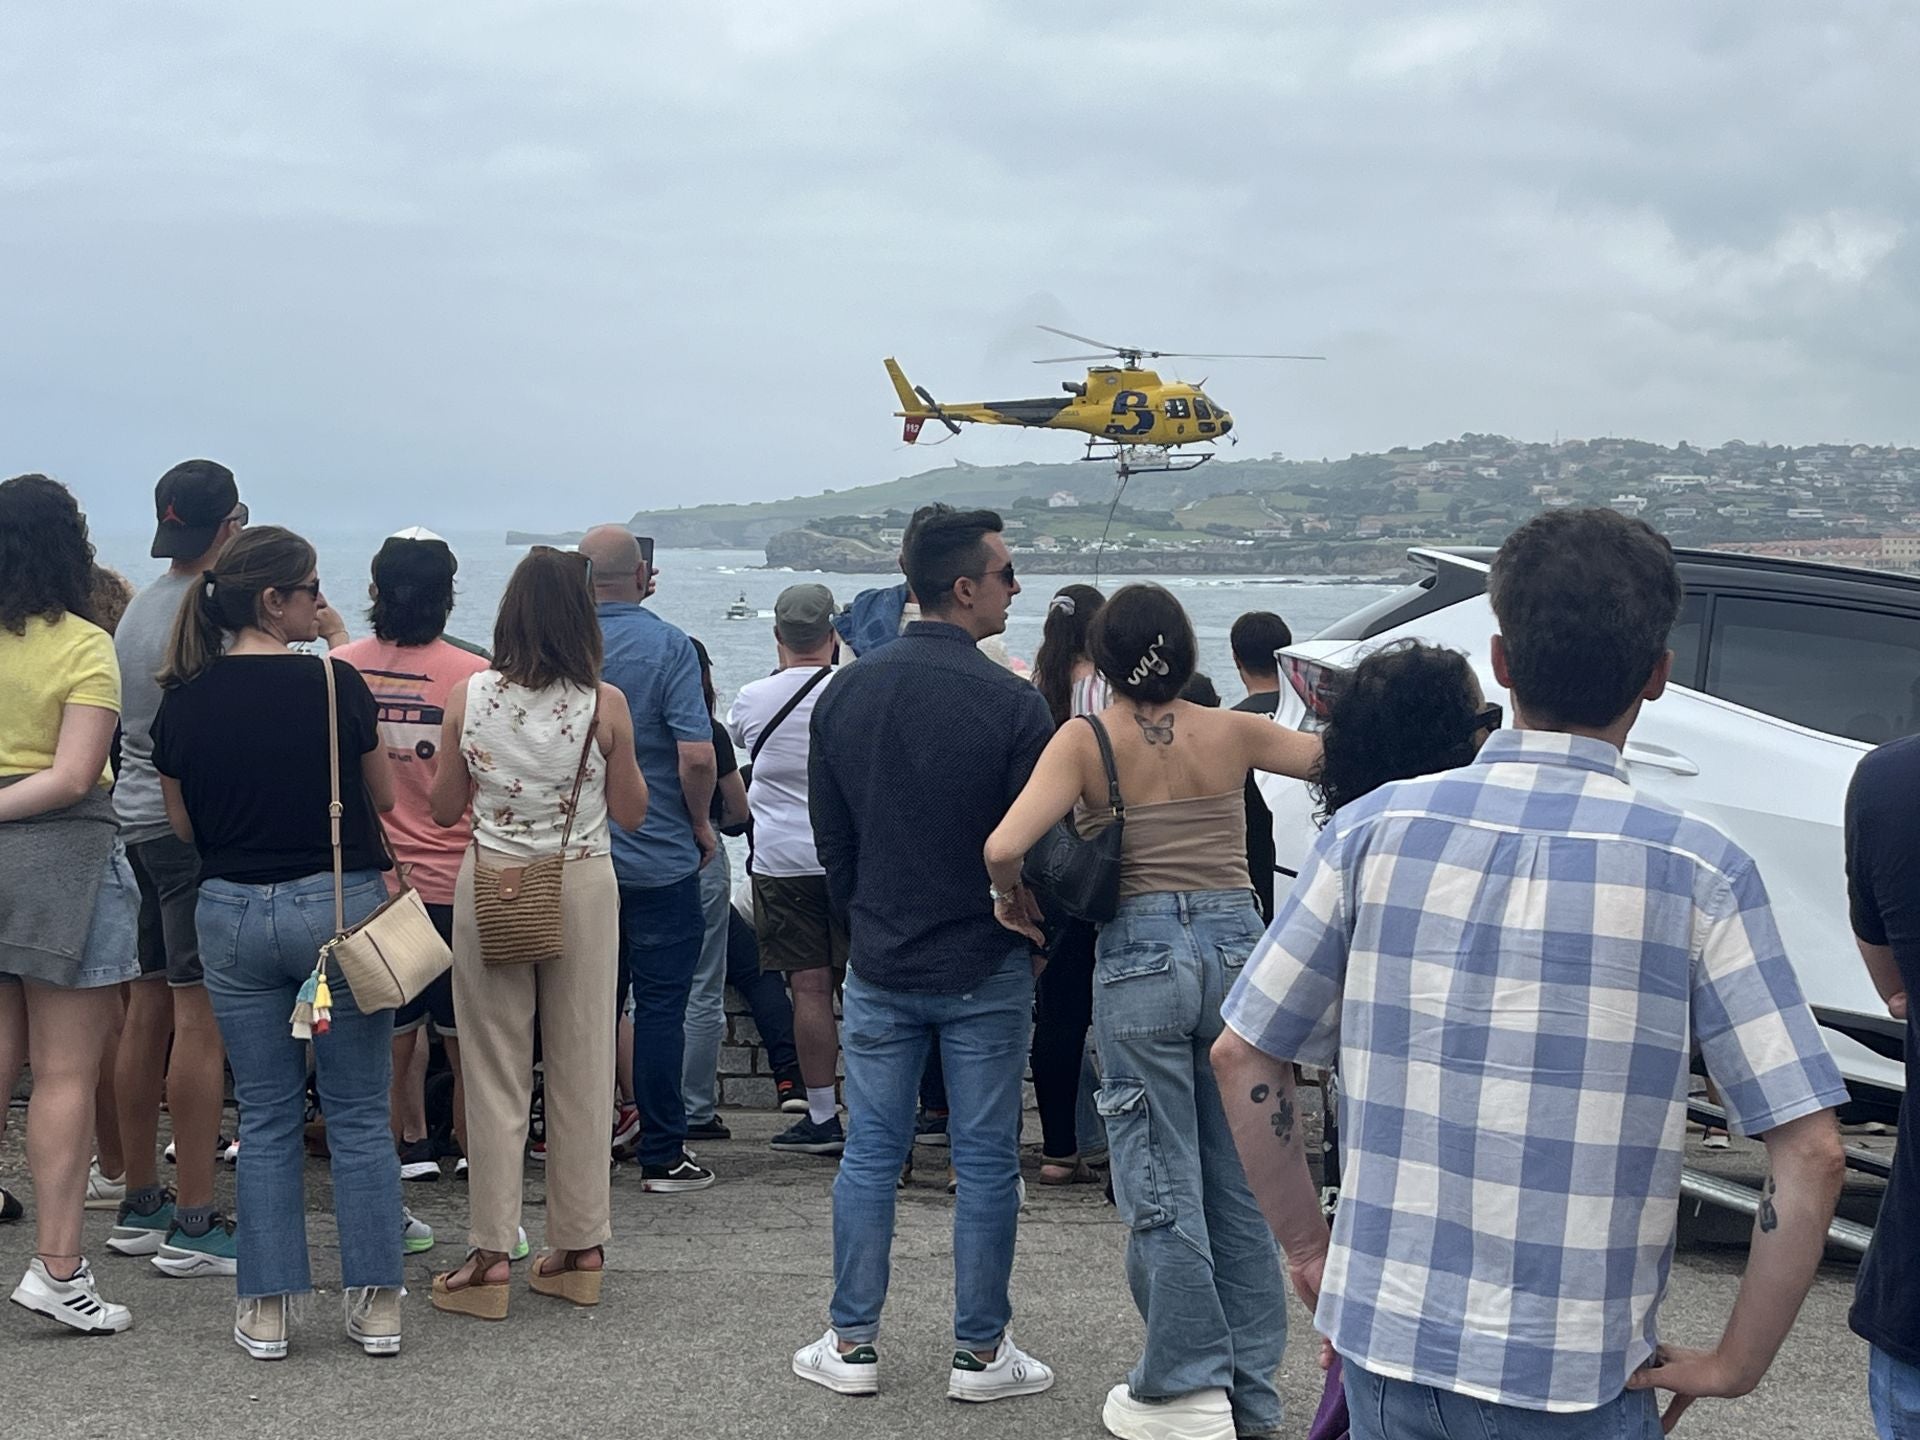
x=226 y=598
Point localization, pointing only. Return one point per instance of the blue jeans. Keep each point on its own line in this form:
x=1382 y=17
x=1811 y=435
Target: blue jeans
x=1382 y=1409
x=1894 y=1388
x=765 y=994
x=661 y=931
x=706 y=1021
x=1201 y=1262
x=886 y=1036
x=257 y=947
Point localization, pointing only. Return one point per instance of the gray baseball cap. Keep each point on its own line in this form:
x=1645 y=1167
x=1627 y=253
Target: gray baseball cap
x=803 y=614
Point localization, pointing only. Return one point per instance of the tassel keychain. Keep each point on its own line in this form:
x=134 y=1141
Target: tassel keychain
x=303 y=1017
x=322 y=1004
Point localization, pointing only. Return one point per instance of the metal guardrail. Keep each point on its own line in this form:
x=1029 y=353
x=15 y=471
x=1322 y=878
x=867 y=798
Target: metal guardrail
x=1867 y=1162
x=1705 y=1189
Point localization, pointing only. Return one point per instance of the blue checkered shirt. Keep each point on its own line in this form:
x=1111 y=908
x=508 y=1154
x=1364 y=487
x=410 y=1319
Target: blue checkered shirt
x=1510 y=963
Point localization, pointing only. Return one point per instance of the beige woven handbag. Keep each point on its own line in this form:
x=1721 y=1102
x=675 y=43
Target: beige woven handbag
x=393 y=954
x=516 y=908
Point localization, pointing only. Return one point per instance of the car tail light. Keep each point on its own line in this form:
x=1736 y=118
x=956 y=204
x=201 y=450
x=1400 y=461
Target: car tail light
x=1312 y=681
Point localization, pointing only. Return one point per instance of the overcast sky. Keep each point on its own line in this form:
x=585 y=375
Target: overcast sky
x=483 y=262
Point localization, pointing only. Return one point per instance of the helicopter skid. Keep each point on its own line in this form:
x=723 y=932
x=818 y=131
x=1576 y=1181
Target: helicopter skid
x=1146 y=459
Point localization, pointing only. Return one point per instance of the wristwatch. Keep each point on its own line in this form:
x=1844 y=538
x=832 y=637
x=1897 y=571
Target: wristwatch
x=1000 y=895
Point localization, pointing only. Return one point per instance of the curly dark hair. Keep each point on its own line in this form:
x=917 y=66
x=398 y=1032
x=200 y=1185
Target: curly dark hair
x=46 y=559
x=1408 y=709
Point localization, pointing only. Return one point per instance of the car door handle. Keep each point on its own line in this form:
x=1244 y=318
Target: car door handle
x=1656 y=757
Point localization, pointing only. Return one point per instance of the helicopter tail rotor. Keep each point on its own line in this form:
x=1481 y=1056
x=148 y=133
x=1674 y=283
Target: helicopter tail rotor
x=916 y=405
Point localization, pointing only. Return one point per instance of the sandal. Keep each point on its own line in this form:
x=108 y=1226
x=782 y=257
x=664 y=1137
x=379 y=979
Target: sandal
x=568 y=1281
x=477 y=1296
x=1070 y=1171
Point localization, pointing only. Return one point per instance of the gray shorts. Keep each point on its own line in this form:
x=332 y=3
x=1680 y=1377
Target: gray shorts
x=167 y=870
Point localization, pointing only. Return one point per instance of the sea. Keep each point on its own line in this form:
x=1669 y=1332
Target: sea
x=697 y=587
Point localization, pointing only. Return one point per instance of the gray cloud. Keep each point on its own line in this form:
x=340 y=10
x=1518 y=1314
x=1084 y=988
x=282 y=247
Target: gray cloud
x=535 y=262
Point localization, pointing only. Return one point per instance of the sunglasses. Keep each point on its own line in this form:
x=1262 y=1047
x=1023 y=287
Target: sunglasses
x=1005 y=574
x=312 y=587
x=1489 y=719
x=585 y=562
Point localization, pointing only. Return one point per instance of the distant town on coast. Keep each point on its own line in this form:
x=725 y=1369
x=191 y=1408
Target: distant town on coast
x=1838 y=503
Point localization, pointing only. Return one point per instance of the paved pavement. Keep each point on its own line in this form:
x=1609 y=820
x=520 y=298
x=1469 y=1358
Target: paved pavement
x=707 y=1296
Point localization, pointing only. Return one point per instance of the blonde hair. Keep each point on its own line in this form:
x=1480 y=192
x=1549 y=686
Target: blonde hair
x=227 y=597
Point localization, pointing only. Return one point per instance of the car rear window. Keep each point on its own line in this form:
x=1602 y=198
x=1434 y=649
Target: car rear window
x=1834 y=668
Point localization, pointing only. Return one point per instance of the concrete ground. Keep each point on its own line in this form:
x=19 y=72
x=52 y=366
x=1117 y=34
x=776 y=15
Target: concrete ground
x=707 y=1296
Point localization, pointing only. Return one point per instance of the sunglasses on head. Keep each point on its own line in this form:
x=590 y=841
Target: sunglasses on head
x=584 y=561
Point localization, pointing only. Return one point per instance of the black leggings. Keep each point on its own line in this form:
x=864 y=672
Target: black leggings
x=1061 y=1021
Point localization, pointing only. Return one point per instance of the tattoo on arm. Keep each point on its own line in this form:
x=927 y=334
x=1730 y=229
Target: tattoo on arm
x=1282 y=1120
x=1259 y=1094
x=1769 y=1217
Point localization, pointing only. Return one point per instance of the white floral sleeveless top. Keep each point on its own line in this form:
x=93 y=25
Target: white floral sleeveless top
x=522 y=748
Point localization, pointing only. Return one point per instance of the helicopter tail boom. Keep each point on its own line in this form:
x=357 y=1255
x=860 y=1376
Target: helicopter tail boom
x=916 y=405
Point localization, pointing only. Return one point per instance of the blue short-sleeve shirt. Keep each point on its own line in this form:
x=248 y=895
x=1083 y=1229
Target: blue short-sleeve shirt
x=654 y=666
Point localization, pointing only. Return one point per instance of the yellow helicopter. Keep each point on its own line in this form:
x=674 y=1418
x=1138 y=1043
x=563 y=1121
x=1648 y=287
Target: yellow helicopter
x=1128 y=415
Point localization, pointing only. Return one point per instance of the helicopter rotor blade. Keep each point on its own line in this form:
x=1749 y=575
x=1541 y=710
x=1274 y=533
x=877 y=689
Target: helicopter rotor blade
x=1075 y=359
x=1083 y=339
x=1219 y=355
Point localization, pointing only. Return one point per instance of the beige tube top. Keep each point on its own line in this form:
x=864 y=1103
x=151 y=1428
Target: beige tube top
x=1199 y=843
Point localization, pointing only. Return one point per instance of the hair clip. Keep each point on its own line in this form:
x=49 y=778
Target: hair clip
x=1062 y=603
x=207 y=581
x=1150 y=663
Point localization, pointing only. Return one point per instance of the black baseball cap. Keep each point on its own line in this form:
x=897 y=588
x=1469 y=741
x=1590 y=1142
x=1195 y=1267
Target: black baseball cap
x=191 y=502
x=414 y=557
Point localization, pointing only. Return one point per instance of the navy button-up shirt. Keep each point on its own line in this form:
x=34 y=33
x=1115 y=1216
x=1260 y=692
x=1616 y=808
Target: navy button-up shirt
x=918 y=751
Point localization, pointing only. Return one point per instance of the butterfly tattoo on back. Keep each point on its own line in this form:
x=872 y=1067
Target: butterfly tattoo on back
x=1155 y=732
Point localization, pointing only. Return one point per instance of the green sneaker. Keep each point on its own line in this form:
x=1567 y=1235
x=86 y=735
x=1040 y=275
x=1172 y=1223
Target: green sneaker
x=185 y=1255
x=417 y=1235
x=521 y=1249
x=141 y=1233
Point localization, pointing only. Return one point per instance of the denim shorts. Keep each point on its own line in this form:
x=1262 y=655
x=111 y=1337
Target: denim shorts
x=113 y=940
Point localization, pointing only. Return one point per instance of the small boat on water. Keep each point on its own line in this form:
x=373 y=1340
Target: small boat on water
x=740 y=610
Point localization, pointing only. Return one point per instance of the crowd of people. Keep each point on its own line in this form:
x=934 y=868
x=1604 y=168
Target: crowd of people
x=1509 y=958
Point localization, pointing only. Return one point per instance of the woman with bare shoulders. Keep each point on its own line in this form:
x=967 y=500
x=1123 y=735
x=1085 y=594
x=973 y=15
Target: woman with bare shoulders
x=1201 y=1262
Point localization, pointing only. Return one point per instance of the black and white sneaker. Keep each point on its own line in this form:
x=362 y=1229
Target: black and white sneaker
x=418 y=1162
x=857 y=1372
x=672 y=1179
x=75 y=1303
x=804 y=1137
x=714 y=1129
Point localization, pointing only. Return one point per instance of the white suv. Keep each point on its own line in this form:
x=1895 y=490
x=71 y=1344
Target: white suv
x=1785 y=674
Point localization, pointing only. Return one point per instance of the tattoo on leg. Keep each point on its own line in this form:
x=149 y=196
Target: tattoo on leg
x=1769 y=1217
x=1282 y=1120
x=1259 y=1094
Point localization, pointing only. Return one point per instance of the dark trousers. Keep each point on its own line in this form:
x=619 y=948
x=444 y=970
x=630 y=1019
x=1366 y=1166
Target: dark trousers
x=765 y=994
x=661 y=930
x=1061 y=1020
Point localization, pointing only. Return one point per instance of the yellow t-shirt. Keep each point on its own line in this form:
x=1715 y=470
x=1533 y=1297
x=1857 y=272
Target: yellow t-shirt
x=69 y=662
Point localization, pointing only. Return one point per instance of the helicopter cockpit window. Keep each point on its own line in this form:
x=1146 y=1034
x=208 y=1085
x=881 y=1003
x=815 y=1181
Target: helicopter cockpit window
x=1177 y=408
x=1201 y=410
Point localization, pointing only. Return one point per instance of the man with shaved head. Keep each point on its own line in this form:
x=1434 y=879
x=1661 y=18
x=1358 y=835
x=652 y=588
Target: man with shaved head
x=658 y=866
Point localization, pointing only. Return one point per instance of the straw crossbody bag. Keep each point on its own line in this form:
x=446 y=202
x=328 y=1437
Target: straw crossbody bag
x=387 y=958
x=516 y=908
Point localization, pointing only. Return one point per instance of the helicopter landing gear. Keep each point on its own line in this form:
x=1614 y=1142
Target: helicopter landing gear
x=1145 y=459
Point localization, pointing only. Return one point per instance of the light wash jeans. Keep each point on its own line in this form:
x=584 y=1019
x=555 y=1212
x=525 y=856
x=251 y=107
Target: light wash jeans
x=1894 y=1388
x=706 y=1023
x=1201 y=1262
x=983 y=1038
x=1382 y=1409
x=258 y=944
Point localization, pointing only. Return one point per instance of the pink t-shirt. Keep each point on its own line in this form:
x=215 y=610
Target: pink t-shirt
x=410 y=684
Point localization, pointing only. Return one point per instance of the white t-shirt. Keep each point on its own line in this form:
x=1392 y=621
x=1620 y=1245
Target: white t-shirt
x=782 y=826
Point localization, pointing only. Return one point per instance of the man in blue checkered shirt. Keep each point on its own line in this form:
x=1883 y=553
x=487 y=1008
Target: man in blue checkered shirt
x=1511 y=964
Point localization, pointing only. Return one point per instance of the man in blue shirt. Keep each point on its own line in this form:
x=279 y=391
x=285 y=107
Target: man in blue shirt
x=658 y=865
x=1511 y=963
x=917 y=751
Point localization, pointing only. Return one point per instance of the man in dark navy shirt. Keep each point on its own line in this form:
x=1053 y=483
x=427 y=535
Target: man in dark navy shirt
x=1883 y=886
x=917 y=752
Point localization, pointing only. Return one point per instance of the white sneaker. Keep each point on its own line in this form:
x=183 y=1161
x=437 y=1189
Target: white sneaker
x=1011 y=1372
x=1203 y=1415
x=373 y=1319
x=75 y=1303
x=416 y=1236
x=232 y=1153
x=104 y=1192
x=260 y=1327
x=855 y=1373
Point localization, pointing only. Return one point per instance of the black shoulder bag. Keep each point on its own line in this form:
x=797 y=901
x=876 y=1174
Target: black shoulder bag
x=1082 y=876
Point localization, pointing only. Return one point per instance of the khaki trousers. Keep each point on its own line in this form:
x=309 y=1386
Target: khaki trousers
x=496 y=1006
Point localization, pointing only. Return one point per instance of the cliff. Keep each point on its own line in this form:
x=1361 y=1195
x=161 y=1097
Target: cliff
x=811 y=550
